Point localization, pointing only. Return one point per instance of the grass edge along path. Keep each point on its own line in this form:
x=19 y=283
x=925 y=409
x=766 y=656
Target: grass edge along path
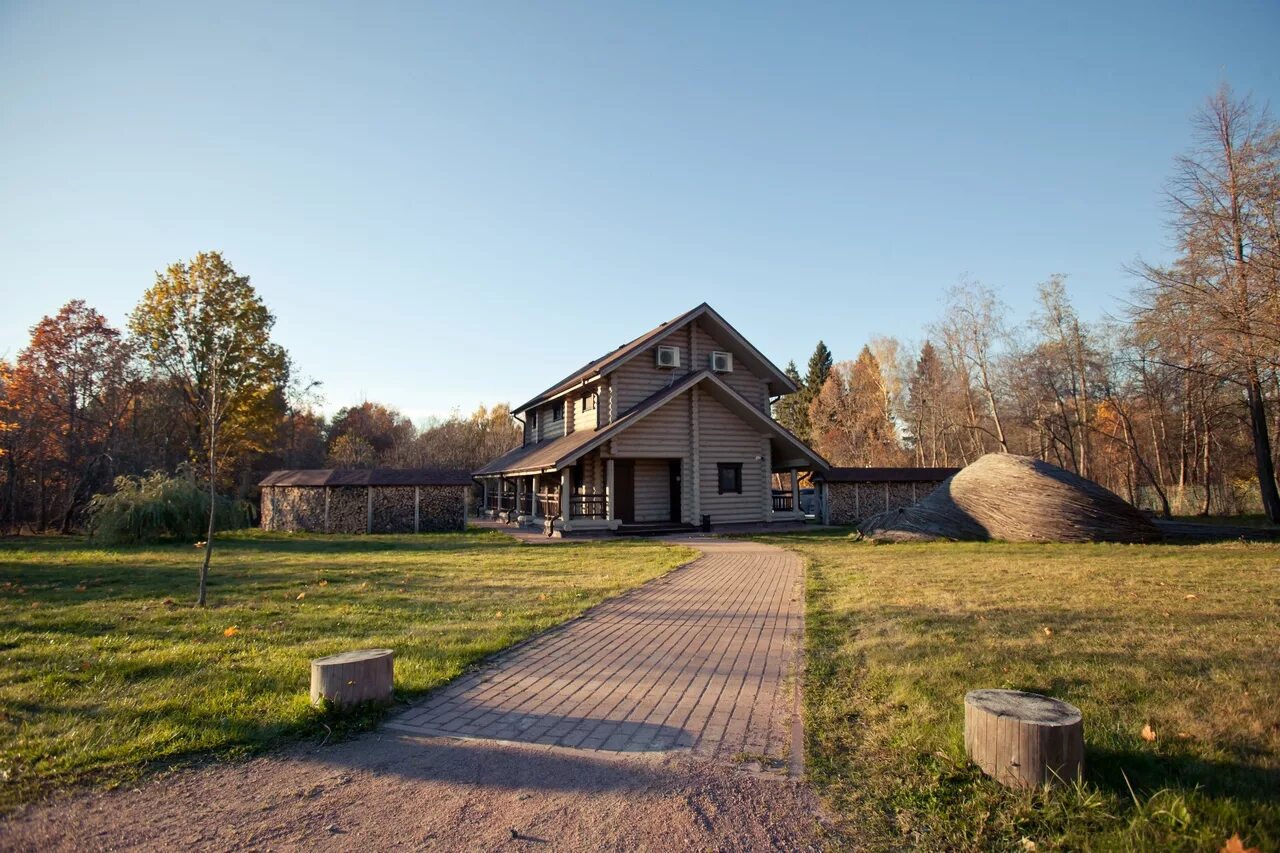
x=1179 y=638
x=107 y=671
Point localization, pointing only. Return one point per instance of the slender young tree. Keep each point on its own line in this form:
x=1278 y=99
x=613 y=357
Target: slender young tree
x=204 y=328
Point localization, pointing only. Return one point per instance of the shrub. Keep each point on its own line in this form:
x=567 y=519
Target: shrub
x=158 y=507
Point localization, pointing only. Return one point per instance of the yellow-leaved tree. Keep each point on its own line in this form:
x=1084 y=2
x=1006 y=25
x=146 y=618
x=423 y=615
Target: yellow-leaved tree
x=203 y=327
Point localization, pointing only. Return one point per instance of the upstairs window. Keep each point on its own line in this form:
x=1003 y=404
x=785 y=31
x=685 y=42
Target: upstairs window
x=589 y=401
x=730 y=477
x=557 y=413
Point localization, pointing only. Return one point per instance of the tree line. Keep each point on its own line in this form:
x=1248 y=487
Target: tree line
x=194 y=383
x=1171 y=402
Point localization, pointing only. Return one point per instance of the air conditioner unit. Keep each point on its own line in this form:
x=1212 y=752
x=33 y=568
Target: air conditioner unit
x=722 y=362
x=668 y=356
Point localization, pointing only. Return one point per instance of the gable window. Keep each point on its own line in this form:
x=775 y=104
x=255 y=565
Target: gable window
x=589 y=401
x=729 y=477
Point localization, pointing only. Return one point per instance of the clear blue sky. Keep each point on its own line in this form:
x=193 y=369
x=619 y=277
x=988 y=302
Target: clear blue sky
x=454 y=203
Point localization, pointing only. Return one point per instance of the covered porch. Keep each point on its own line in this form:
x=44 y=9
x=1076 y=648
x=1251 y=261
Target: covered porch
x=609 y=494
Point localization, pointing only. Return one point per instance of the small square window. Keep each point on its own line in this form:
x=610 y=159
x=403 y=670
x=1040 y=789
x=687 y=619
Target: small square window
x=557 y=413
x=730 y=477
x=588 y=402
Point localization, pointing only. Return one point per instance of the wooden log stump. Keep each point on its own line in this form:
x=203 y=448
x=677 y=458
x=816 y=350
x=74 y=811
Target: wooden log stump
x=1023 y=740
x=346 y=679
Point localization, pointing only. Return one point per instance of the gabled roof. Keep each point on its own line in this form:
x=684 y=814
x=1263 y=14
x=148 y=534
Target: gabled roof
x=563 y=451
x=886 y=475
x=612 y=360
x=367 y=477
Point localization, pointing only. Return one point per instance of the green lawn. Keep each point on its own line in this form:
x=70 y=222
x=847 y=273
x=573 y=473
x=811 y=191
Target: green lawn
x=1183 y=639
x=107 y=669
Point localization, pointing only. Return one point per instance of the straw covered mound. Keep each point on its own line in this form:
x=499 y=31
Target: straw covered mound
x=1014 y=499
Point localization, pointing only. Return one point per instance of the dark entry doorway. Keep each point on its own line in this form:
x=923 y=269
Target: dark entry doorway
x=624 y=485
x=675 y=490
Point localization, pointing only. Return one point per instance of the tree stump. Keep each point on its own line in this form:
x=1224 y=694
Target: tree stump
x=350 y=678
x=1023 y=740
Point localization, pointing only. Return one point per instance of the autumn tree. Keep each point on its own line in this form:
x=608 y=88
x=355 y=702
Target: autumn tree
x=380 y=427
x=1225 y=197
x=852 y=419
x=973 y=328
x=205 y=329
x=925 y=409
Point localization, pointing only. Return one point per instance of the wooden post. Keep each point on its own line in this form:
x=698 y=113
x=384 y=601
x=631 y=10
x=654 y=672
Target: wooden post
x=1023 y=740
x=350 y=678
x=536 y=508
x=795 y=492
x=417 y=509
x=695 y=449
x=566 y=494
x=609 y=492
x=368 y=521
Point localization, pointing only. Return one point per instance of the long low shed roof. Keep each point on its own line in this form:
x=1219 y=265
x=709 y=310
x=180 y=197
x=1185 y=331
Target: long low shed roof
x=368 y=477
x=885 y=475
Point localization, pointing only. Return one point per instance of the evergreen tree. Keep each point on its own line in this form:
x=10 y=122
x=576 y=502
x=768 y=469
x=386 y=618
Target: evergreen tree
x=792 y=410
x=819 y=369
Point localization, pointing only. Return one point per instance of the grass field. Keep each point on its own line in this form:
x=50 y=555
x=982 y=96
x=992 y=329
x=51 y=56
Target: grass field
x=107 y=669
x=1185 y=640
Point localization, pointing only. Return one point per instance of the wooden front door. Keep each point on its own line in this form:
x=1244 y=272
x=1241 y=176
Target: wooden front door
x=624 y=486
x=675 y=490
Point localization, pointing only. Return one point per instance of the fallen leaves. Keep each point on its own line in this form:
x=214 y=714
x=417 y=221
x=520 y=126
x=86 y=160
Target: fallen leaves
x=1235 y=845
x=1148 y=733
x=1191 y=596
x=301 y=596
x=231 y=631
x=1048 y=632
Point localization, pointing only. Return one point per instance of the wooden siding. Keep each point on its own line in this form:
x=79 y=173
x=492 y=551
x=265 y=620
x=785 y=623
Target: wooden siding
x=740 y=379
x=548 y=427
x=638 y=379
x=581 y=419
x=724 y=437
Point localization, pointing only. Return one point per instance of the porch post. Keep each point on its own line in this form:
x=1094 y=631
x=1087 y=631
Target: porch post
x=519 y=496
x=608 y=489
x=535 y=508
x=795 y=492
x=484 y=497
x=566 y=489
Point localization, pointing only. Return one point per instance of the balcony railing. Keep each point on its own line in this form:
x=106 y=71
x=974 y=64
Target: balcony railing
x=548 y=504
x=588 y=506
x=782 y=502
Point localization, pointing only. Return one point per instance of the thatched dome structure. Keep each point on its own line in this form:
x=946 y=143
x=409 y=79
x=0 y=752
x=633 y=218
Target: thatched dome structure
x=1015 y=499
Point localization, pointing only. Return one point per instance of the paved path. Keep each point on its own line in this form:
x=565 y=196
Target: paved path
x=700 y=659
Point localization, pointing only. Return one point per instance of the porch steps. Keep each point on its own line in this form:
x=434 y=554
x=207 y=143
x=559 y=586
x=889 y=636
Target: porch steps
x=656 y=528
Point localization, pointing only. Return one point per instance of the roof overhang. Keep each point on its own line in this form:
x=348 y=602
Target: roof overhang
x=779 y=382
x=789 y=451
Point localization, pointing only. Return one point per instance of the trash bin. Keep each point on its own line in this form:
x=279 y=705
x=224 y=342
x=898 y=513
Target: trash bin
x=706 y=524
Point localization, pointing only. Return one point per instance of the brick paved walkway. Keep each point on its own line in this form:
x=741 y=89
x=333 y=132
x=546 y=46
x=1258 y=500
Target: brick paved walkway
x=700 y=659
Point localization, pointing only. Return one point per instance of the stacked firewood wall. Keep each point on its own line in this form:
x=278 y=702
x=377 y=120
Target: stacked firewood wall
x=291 y=509
x=348 y=509
x=302 y=508
x=850 y=503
